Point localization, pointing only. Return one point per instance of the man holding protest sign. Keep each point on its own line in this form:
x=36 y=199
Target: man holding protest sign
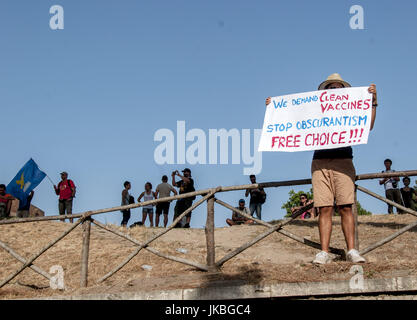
x=340 y=121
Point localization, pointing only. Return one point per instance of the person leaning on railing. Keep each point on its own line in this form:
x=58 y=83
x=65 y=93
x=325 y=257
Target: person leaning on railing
x=66 y=191
x=333 y=179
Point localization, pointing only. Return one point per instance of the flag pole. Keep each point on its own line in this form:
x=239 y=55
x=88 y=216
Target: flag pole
x=53 y=184
x=49 y=179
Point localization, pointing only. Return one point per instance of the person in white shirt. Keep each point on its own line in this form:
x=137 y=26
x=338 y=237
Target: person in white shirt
x=391 y=187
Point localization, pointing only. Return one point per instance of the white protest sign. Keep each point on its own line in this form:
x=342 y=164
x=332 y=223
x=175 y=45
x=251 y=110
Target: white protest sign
x=324 y=119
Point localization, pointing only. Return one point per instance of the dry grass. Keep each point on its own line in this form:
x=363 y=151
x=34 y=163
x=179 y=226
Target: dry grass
x=276 y=258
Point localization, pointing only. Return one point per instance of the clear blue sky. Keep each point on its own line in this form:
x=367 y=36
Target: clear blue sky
x=88 y=99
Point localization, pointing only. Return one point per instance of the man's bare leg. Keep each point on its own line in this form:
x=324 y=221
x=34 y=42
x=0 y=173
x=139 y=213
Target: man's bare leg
x=348 y=225
x=151 y=219
x=157 y=220
x=165 y=220
x=325 y=227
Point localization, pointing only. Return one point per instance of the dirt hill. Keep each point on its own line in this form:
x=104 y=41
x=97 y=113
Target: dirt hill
x=276 y=258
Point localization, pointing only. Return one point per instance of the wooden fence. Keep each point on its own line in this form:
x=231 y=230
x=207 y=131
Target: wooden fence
x=209 y=196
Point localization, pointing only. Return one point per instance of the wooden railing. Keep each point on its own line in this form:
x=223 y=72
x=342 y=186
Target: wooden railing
x=209 y=196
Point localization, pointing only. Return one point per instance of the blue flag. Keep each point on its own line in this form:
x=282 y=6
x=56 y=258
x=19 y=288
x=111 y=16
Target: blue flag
x=25 y=181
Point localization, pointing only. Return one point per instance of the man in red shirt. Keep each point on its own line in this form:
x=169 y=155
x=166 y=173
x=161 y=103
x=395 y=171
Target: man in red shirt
x=66 y=193
x=5 y=202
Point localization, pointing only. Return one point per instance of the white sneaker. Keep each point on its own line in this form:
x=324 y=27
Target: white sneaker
x=322 y=258
x=354 y=256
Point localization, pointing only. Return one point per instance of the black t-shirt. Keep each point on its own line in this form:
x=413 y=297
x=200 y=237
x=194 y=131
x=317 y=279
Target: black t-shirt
x=338 y=153
x=185 y=187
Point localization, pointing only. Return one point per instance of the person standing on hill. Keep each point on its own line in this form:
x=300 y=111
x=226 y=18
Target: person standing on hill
x=333 y=177
x=66 y=191
x=391 y=187
x=163 y=190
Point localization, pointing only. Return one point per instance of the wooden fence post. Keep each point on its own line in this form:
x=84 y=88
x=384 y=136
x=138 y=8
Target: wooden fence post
x=85 y=252
x=209 y=229
x=355 y=217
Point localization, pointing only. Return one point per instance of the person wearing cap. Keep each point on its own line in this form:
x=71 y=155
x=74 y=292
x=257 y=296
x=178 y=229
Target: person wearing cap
x=66 y=191
x=237 y=218
x=333 y=179
x=185 y=185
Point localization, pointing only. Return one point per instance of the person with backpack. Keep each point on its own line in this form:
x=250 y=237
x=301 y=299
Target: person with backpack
x=186 y=184
x=66 y=192
x=126 y=200
x=257 y=198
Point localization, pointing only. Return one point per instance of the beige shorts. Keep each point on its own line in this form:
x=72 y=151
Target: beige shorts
x=333 y=182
